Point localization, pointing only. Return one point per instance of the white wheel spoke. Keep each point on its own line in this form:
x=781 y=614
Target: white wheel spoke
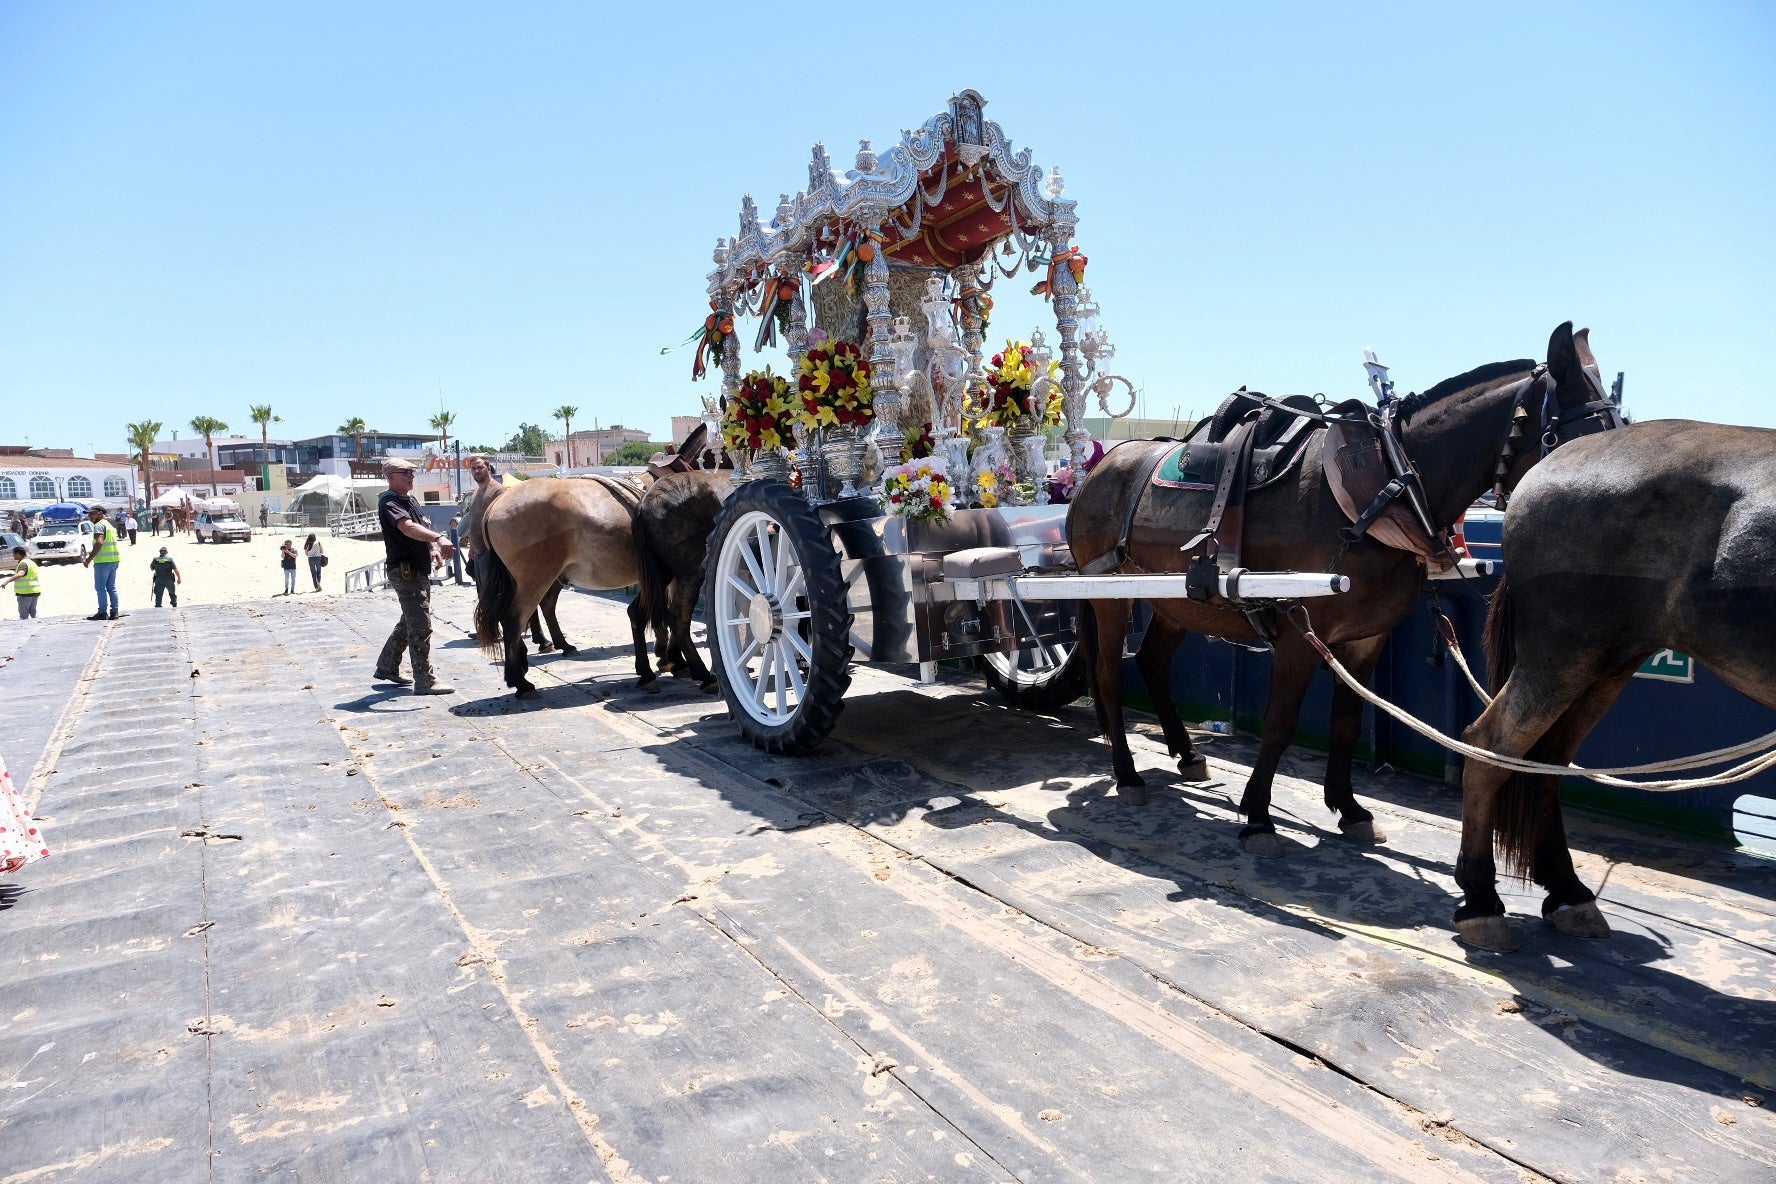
x=785 y=566
x=744 y=545
x=747 y=592
x=800 y=615
x=752 y=647
x=761 y=537
x=792 y=588
x=779 y=683
x=800 y=647
x=790 y=668
x=769 y=657
x=737 y=622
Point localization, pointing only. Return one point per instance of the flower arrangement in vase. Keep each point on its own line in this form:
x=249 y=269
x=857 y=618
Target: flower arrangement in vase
x=759 y=412
x=835 y=387
x=997 y=486
x=1009 y=383
x=919 y=490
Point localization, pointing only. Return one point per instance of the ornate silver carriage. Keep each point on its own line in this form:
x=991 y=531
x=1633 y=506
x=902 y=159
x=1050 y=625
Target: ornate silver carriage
x=802 y=581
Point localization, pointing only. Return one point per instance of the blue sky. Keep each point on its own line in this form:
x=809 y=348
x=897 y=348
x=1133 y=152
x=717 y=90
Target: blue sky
x=360 y=208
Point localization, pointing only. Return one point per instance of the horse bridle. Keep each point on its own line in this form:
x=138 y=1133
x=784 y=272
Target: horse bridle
x=1554 y=422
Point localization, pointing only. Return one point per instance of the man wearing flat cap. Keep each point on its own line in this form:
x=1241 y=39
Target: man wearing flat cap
x=411 y=546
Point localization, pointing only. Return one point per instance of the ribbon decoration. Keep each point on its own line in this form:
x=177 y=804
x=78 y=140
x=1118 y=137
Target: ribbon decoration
x=717 y=325
x=779 y=291
x=974 y=303
x=1072 y=259
x=827 y=268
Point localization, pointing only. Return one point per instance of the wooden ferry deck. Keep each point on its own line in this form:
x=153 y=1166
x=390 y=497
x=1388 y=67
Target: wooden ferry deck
x=295 y=927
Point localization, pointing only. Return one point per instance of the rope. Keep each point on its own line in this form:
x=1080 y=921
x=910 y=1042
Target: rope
x=1764 y=745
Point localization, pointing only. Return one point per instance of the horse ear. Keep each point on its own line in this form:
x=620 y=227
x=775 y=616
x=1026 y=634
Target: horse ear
x=1564 y=365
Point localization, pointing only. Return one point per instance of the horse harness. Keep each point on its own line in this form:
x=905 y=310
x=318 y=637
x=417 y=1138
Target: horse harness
x=1254 y=441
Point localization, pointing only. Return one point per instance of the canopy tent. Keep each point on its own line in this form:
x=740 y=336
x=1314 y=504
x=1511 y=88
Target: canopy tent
x=335 y=494
x=176 y=496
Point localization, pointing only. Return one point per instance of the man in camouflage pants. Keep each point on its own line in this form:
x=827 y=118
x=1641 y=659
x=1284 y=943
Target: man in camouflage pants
x=410 y=546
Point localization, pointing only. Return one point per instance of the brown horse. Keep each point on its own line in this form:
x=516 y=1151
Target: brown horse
x=1454 y=434
x=1658 y=535
x=546 y=530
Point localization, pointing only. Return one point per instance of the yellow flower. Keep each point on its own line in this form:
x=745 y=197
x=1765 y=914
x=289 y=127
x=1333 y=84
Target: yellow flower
x=988 y=501
x=987 y=480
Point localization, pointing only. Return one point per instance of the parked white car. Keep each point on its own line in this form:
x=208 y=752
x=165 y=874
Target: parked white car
x=62 y=542
x=220 y=526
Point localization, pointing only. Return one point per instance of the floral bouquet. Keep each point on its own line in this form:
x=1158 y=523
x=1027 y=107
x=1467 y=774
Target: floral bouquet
x=758 y=413
x=919 y=445
x=919 y=490
x=835 y=387
x=996 y=486
x=1060 y=486
x=1008 y=385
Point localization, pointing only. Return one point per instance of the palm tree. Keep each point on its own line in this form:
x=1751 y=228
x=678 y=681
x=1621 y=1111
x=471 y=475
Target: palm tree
x=264 y=418
x=354 y=427
x=207 y=426
x=142 y=437
x=566 y=416
x=441 y=424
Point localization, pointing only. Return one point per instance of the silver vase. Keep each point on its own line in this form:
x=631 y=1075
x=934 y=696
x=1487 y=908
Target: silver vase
x=841 y=447
x=768 y=464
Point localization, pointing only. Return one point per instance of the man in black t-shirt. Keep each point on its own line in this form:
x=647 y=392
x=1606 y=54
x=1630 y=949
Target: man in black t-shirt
x=410 y=546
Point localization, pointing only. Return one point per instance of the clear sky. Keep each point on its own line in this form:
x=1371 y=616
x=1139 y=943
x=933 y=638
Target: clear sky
x=363 y=208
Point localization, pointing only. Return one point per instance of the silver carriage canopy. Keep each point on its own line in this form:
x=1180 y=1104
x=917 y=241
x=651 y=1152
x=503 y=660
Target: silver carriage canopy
x=952 y=203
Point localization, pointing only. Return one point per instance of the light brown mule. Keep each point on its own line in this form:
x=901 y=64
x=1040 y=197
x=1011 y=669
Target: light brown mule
x=545 y=530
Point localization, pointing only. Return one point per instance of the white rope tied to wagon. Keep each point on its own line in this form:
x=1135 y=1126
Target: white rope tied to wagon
x=1764 y=746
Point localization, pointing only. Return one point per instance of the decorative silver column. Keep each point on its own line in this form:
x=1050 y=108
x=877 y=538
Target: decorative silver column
x=1064 y=291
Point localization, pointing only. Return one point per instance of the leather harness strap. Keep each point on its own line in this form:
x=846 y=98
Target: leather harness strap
x=1117 y=556
x=1227 y=514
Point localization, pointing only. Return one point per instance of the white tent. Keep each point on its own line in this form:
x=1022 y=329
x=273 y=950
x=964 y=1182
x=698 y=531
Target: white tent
x=176 y=496
x=335 y=494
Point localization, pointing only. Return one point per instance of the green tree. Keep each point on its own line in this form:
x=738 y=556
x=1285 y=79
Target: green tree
x=530 y=440
x=207 y=426
x=441 y=424
x=142 y=437
x=262 y=416
x=566 y=415
x=634 y=452
x=356 y=429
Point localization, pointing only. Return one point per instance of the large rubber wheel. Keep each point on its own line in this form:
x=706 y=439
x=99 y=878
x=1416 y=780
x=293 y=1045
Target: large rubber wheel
x=1032 y=681
x=779 y=622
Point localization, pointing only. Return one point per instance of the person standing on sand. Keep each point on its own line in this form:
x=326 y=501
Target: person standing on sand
x=317 y=559
x=487 y=487
x=103 y=560
x=412 y=548
x=287 y=559
x=166 y=577
x=24 y=582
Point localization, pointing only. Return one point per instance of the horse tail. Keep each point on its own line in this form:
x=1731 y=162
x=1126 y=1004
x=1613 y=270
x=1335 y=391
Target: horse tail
x=494 y=604
x=1521 y=807
x=1501 y=636
x=654 y=602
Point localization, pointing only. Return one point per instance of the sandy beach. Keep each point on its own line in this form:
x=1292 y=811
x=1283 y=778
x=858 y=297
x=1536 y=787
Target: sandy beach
x=213 y=573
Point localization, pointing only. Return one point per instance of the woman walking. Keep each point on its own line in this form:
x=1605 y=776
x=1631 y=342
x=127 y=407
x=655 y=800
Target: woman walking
x=317 y=559
x=287 y=555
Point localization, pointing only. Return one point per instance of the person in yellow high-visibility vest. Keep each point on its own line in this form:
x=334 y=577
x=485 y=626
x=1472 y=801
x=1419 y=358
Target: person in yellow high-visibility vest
x=24 y=582
x=103 y=560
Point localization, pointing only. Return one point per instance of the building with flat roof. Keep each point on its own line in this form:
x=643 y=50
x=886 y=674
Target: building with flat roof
x=56 y=474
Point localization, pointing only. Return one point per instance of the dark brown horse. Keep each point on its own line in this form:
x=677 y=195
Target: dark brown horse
x=1659 y=535
x=1454 y=434
x=672 y=541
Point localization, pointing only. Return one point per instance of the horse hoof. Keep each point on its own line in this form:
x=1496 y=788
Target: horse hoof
x=1134 y=793
x=568 y=651
x=1488 y=933
x=1364 y=833
x=651 y=686
x=529 y=693
x=545 y=648
x=711 y=687
x=1579 y=920
x=1265 y=844
x=1195 y=768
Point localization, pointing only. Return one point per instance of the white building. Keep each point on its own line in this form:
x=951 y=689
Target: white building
x=56 y=474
